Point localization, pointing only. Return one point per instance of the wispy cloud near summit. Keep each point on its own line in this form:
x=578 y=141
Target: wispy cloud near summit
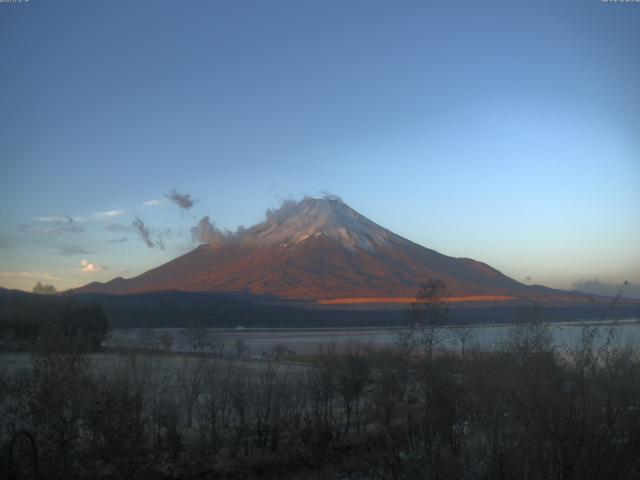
x=145 y=234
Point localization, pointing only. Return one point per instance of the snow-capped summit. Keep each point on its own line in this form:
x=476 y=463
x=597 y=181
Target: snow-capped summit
x=312 y=218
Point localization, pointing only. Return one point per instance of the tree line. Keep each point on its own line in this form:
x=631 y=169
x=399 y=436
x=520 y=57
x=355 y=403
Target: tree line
x=25 y=321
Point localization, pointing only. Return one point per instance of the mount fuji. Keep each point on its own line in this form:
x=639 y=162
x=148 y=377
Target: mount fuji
x=322 y=251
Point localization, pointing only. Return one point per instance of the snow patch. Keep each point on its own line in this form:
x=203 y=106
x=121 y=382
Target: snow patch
x=296 y=222
x=313 y=217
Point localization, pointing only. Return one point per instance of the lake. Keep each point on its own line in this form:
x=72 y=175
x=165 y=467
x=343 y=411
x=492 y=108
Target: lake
x=308 y=340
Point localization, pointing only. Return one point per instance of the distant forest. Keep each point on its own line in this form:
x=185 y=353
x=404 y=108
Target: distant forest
x=26 y=318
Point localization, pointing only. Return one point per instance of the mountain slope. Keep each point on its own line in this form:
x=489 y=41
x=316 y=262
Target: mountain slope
x=316 y=249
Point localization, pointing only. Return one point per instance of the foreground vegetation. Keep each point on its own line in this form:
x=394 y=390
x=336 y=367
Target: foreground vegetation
x=524 y=410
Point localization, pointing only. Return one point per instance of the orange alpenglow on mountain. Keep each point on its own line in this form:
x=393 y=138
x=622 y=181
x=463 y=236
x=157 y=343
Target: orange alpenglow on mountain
x=322 y=250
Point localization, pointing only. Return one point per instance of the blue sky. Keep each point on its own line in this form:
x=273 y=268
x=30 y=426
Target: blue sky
x=508 y=132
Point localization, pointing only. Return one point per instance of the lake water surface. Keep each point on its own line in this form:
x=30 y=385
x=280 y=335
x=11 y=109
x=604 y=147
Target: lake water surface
x=308 y=340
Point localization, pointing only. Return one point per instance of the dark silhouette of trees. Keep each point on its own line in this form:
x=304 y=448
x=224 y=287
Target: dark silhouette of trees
x=44 y=289
x=25 y=322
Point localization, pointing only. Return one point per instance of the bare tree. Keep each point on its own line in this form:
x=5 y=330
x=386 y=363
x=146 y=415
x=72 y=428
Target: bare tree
x=166 y=342
x=354 y=376
x=271 y=405
x=430 y=313
x=216 y=341
x=195 y=337
x=321 y=389
x=240 y=347
x=191 y=383
x=209 y=410
x=241 y=403
x=389 y=384
x=466 y=336
x=279 y=350
x=118 y=425
x=168 y=416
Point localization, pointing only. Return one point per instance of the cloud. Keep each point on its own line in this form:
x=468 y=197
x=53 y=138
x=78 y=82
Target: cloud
x=65 y=224
x=108 y=214
x=145 y=234
x=118 y=240
x=155 y=202
x=56 y=230
x=65 y=249
x=53 y=219
x=89 y=267
x=94 y=216
x=596 y=287
x=4 y=242
x=275 y=216
x=184 y=201
x=205 y=230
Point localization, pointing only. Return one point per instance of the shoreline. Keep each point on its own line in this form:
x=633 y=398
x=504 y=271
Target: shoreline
x=240 y=329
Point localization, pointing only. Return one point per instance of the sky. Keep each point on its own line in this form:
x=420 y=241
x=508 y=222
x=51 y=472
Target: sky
x=507 y=132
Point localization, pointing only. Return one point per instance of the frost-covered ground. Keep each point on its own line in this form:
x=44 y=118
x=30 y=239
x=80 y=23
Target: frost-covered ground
x=114 y=363
x=304 y=341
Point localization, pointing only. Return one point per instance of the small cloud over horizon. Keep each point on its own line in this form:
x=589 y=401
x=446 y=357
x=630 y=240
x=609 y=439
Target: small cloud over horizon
x=89 y=267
